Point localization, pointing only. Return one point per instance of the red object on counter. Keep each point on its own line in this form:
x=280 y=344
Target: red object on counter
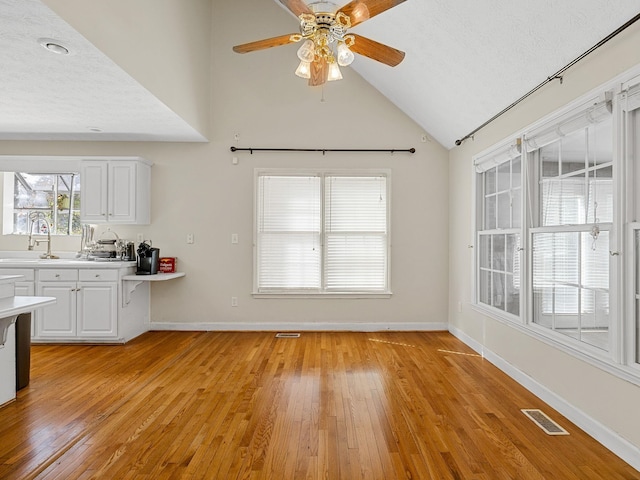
x=167 y=265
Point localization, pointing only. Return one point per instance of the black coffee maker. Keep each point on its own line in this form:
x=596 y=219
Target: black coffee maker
x=148 y=259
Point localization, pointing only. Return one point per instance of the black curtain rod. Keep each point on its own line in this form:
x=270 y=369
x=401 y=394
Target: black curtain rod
x=323 y=150
x=555 y=76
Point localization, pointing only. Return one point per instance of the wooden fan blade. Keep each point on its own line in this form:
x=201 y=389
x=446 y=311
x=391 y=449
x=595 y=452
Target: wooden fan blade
x=376 y=51
x=267 y=43
x=319 y=72
x=297 y=7
x=361 y=10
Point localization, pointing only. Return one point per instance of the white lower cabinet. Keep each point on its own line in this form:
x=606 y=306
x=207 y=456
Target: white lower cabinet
x=86 y=304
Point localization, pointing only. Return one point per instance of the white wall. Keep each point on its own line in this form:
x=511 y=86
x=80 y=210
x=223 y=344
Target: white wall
x=196 y=189
x=603 y=397
x=164 y=45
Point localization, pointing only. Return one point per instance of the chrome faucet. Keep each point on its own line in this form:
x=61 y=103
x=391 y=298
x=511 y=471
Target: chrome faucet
x=35 y=217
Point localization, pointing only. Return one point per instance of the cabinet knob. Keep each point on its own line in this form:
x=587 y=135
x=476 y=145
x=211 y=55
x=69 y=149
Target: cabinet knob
x=97 y=275
x=57 y=275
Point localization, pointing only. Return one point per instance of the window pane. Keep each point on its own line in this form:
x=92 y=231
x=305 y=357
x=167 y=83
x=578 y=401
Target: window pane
x=504 y=210
x=490 y=181
x=356 y=263
x=571 y=284
x=512 y=299
x=504 y=176
x=498 y=252
x=53 y=198
x=288 y=261
x=490 y=213
x=600 y=195
x=485 y=287
x=601 y=143
x=288 y=232
x=356 y=204
x=563 y=201
x=516 y=205
x=550 y=160
x=516 y=168
x=595 y=318
x=485 y=251
x=573 y=152
x=498 y=291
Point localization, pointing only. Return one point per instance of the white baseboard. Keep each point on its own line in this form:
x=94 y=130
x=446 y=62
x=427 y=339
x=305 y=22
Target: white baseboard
x=607 y=437
x=303 y=327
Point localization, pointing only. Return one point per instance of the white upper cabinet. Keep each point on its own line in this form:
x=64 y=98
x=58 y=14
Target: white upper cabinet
x=116 y=191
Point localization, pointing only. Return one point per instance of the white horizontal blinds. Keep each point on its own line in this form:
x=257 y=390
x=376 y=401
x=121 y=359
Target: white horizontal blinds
x=568 y=124
x=288 y=236
x=356 y=233
x=498 y=156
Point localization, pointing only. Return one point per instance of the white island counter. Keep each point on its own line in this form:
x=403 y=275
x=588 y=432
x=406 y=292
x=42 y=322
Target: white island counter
x=10 y=307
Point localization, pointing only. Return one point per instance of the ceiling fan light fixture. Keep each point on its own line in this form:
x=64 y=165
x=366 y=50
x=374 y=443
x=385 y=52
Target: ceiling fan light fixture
x=307 y=51
x=345 y=56
x=334 y=72
x=304 y=69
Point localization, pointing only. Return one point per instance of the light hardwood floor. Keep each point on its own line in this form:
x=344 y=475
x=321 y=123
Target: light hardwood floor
x=234 y=405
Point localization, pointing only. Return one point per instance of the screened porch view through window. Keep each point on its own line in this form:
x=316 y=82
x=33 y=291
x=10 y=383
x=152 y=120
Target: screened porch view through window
x=499 y=237
x=55 y=196
x=322 y=233
x=571 y=238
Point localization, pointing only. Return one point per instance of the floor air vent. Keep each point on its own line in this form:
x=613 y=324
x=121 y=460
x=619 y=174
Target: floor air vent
x=544 y=422
x=287 y=335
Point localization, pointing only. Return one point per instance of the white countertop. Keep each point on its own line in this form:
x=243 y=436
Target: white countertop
x=61 y=263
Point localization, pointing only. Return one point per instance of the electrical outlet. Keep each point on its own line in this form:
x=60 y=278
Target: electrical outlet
x=140 y=237
x=234 y=301
x=234 y=160
x=234 y=238
x=424 y=138
x=189 y=238
x=236 y=137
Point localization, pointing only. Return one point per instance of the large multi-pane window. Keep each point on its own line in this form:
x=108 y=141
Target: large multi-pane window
x=557 y=225
x=570 y=237
x=322 y=233
x=54 y=197
x=500 y=190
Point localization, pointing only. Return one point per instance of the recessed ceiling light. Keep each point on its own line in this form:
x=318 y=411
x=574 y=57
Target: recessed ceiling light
x=54 y=46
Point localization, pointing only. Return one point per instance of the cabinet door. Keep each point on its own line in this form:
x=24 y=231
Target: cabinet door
x=58 y=320
x=122 y=192
x=97 y=309
x=93 y=196
x=27 y=289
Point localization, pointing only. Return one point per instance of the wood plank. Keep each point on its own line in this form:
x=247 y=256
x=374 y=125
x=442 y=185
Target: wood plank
x=200 y=405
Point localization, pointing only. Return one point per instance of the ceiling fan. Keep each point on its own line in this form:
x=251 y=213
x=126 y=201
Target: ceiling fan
x=327 y=45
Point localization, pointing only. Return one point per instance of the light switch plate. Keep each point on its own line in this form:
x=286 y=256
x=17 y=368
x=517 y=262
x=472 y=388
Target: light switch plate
x=190 y=238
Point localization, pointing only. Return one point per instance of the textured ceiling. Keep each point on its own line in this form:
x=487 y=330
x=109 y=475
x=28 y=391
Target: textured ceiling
x=466 y=61
x=67 y=97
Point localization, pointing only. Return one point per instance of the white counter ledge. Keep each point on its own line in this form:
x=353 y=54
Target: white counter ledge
x=130 y=282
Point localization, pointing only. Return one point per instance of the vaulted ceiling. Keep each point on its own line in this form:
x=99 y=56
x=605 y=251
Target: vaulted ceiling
x=465 y=61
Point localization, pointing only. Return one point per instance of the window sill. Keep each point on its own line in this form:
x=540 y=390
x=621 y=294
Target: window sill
x=584 y=352
x=318 y=295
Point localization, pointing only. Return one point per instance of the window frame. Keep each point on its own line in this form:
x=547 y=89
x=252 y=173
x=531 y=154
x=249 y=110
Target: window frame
x=623 y=357
x=322 y=292
x=9 y=209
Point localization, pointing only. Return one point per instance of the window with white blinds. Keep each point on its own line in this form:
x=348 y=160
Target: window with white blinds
x=570 y=274
x=499 y=186
x=322 y=233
